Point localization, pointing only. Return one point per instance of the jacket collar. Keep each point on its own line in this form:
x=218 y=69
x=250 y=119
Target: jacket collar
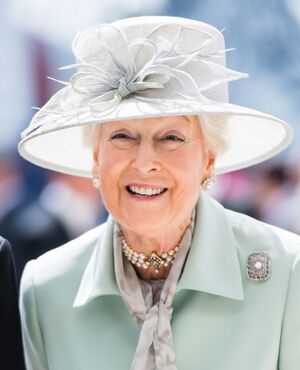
x=98 y=278
x=212 y=264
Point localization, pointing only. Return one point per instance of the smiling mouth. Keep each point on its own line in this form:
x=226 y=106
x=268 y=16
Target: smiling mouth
x=140 y=195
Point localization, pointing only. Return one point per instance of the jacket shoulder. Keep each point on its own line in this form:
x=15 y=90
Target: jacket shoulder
x=64 y=260
x=4 y=246
x=6 y=256
x=268 y=236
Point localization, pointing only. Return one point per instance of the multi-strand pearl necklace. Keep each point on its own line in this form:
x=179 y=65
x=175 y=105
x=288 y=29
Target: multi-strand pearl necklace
x=154 y=260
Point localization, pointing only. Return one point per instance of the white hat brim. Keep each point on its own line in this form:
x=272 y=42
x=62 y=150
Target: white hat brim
x=251 y=136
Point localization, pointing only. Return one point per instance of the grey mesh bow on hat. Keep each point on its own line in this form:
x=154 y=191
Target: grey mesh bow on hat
x=146 y=67
x=153 y=67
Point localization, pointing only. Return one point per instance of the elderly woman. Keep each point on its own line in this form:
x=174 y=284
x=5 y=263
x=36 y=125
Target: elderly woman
x=172 y=280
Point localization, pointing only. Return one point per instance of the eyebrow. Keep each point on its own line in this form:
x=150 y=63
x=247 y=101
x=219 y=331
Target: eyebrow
x=168 y=128
x=186 y=118
x=132 y=126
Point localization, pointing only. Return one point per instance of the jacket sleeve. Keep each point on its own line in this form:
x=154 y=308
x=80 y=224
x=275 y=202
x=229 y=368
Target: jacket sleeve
x=11 y=351
x=34 y=350
x=289 y=355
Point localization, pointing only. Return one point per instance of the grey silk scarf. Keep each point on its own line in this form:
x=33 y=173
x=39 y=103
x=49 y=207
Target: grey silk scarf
x=155 y=345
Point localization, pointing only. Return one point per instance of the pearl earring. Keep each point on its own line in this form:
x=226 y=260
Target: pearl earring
x=207 y=184
x=96 y=182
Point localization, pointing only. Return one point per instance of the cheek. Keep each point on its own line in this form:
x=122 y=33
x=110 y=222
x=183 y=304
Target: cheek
x=109 y=161
x=189 y=167
x=111 y=166
x=189 y=170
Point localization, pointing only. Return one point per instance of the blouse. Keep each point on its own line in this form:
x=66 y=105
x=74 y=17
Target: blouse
x=150 y=303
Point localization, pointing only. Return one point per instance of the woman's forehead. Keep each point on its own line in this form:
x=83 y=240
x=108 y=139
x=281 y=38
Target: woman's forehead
x=153 y=123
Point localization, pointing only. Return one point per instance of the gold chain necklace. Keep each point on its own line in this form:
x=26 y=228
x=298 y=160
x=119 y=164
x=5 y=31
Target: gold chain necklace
x=154 y=260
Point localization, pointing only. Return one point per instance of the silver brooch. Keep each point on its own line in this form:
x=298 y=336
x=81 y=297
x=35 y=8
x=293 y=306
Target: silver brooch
x=259 y=266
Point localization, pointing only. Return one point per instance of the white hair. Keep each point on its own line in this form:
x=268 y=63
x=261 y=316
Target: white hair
x=90 y=132
x=214 y=130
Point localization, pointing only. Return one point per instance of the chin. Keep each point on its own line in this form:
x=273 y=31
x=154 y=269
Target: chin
x=143 y=225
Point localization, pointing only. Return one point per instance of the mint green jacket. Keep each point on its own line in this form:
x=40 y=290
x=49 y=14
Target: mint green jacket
x=73 y=316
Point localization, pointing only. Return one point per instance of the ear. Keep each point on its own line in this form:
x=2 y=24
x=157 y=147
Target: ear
x=209 y=164
x=95 y=168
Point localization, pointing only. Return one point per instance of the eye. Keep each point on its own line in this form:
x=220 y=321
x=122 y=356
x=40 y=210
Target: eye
x=172 y=137
x=121 y=136
x=122 y=140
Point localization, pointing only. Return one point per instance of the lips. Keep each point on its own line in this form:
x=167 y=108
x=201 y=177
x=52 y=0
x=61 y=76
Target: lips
x=145 y=192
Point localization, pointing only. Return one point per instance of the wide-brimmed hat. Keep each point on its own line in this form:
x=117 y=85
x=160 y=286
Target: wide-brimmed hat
x=147 y=67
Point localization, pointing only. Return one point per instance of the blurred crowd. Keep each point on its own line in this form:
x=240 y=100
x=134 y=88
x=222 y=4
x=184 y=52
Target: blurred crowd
x=268 y=192
x=41 y=210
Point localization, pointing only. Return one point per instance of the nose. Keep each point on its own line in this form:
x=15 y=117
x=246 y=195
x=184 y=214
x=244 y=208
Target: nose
x=146 y=158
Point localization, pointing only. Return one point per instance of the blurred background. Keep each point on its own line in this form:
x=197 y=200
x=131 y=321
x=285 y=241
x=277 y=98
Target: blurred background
x=40 y=209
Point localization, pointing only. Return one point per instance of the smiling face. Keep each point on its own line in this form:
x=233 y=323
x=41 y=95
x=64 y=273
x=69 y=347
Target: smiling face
x=134 y=157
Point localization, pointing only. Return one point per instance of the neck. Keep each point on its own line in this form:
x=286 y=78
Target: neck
x=157 y=242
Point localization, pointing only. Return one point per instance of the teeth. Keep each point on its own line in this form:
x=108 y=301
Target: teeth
x=144 y=191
